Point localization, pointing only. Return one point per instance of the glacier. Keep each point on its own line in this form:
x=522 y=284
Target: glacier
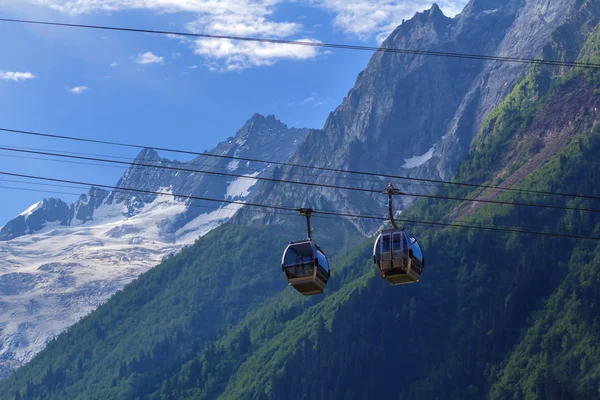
x=50 y=279
x=59 y=262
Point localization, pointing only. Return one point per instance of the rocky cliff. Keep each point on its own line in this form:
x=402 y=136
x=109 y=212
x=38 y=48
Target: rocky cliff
x=415 y=115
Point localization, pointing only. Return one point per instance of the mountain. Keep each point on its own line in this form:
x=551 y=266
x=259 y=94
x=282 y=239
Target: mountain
x=496 y=315
x=43 y=213
x=260 y=138
x=58 y=262
x=415 y=115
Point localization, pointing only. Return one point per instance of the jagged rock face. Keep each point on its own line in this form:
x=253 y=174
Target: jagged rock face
x=263 y=138
x=402 y=105
x=530 y=31
x=415 y=115
x=39 y=215
x=60 y=262
x=260 y=138
x=83 y=209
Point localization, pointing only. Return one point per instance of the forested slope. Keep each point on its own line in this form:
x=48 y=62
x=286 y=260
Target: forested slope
x=165 y=315
x=462 y=333
x=496 y=315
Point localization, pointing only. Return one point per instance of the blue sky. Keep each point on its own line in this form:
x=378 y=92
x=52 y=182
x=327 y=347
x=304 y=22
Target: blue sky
x=168 y=92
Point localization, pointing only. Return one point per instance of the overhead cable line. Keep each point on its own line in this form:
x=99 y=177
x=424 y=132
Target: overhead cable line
x=297 y=210
x=23 y=182
x=287 y=164
x=43 y=184
x=315 y=44
x=125 y=197
x=62 y=161
x=310 y=184
x=122 y=197
x=378 y=181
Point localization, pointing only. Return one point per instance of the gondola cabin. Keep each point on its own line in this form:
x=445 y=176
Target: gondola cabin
x=305 y=267
x=398 y=257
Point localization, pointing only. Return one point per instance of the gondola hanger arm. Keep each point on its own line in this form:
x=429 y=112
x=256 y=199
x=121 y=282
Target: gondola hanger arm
x=392 y=191
x=307 y=212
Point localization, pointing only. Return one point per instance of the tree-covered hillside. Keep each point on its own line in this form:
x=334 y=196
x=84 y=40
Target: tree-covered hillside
x=500 y=316
x=151 y=326
x=496 y=315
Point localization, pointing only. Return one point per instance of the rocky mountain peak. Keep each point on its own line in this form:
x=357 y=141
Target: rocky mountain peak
x=433 y=15
x=147 y=155
x=36 y=217
x=416 y=115
x=83 y=209
x=263 y=137
x=434 y=12
x=260 y=124
x=258 y=117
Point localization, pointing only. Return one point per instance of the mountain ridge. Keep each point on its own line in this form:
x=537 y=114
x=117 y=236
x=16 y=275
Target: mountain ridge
x=420 y=113
x=440 y=105
x=105 y=239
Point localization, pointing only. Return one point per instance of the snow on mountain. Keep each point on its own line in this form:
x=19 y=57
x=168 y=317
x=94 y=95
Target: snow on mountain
x=60 y=262
x=31 y=209
x=417 y=161
x=39 y=215
x=241 y=186
x=51 y=279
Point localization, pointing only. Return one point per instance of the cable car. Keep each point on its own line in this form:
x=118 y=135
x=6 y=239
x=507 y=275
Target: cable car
x=304 y=263
x=397 y=255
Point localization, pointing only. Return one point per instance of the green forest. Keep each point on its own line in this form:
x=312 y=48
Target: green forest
x=496 y=315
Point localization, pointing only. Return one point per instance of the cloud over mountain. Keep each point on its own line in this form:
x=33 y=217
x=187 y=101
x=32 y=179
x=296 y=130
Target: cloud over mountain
x=367 y=20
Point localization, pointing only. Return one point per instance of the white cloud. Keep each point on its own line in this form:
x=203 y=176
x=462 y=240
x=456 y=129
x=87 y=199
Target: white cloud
x=241 y=17
x=193 y=67
x=314 y=101
x=378 y=18
x=238 y=23
x=364 y=19
x=148 y=58
x=79 y=89
x=89 y=6
x=219 y=17
x=230 y=55
x=16 y=76
x=113 y=65
x=247 y=18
